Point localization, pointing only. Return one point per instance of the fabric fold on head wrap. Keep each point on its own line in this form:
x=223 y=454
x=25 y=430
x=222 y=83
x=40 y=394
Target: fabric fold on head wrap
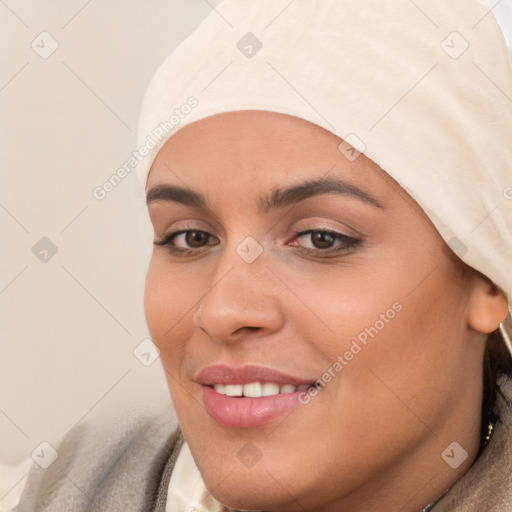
x=424 y=89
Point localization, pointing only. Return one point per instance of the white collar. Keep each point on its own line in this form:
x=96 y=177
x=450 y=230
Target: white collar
x=187 y=491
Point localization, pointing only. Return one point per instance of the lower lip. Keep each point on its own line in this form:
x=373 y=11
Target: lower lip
x=246 y=412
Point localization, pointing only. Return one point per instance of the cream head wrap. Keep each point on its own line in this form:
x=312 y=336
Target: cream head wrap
x=422 y=88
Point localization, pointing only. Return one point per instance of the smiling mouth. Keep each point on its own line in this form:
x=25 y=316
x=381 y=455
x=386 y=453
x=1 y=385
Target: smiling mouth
x=250 y=395
x=259 y=389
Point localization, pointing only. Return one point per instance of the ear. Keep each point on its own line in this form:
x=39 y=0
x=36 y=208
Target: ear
x=487 y=306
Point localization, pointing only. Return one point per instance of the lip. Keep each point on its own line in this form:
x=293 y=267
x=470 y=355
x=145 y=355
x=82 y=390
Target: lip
x=247 y=412
x=224 y=374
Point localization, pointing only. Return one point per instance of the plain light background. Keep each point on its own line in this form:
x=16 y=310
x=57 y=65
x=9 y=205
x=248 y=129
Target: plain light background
x=70 y=324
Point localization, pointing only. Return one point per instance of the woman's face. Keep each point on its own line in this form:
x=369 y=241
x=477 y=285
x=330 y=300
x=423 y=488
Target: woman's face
x=294 y=264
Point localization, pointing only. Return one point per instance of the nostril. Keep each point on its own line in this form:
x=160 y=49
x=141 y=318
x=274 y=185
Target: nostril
x=247 y=327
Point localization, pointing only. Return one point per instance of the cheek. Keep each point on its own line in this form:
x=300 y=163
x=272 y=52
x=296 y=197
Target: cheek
x=168 y=298
x=398 y=325
x=339 y=304
x=416 y=357
x=155 y=303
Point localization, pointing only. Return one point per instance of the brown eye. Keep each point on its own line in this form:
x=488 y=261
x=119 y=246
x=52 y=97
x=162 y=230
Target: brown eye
x=186 y=240
x=196 y=238
x=322 y=240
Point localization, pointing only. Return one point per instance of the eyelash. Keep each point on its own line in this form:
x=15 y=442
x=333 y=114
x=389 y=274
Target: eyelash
x=347 y=244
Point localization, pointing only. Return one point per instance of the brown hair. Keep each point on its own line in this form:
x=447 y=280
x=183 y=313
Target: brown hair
x=497 y=363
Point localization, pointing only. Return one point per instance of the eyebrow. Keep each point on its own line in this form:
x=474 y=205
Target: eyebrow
x=277 y=198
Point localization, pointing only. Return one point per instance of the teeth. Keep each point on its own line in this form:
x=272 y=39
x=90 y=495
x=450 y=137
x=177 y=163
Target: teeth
x=257 y=389
x=220 y=388
x=234 y=389
x=252 y=389
x=304 y=387
x=269 y=389
x=287 y=388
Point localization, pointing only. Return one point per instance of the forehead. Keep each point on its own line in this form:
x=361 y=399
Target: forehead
x=258 y=123
x=251 y=157
x=257 y=145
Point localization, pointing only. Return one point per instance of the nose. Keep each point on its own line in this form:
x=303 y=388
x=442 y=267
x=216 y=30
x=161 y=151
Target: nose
x=241 y=301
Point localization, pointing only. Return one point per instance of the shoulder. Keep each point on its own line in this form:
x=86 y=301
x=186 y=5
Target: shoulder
x=107 y=464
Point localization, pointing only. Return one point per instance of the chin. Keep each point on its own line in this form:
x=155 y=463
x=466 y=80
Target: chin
x=242 y=498
x=253 y=489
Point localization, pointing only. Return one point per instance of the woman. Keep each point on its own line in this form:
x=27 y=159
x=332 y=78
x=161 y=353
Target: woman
x=329 y=187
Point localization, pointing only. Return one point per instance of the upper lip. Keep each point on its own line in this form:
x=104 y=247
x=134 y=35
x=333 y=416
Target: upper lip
x=224 y=374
